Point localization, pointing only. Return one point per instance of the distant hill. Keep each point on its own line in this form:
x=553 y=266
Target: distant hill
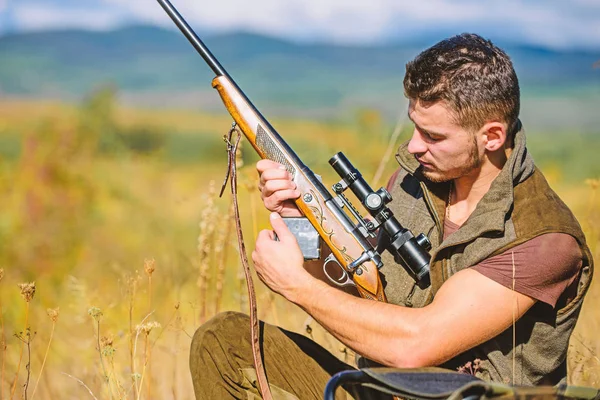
x=153 y=66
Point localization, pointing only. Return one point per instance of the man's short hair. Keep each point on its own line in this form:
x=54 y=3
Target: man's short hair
x=475 y=78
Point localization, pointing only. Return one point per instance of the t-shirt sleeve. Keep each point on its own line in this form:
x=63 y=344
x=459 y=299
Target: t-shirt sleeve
x=392 y=181
x=541 y=268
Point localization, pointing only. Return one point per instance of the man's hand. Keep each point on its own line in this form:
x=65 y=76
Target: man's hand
x=277 y=189
x=279 y=264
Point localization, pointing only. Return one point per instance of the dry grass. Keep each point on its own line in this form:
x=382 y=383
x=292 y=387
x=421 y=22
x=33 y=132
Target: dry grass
x=149 y=251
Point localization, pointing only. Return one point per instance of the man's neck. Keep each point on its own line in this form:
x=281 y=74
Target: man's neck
x=468 y=190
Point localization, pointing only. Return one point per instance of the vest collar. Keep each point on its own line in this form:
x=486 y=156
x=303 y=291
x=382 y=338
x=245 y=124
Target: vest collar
x=491 y=211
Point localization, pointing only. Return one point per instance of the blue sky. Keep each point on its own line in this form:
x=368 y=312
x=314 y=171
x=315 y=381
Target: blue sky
x=552 y=23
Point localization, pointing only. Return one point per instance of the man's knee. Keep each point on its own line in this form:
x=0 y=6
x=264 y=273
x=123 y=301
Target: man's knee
x=215 y=354
x=222 y=331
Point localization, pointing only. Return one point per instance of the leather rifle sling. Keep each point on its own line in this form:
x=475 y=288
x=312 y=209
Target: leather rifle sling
x=263 y=384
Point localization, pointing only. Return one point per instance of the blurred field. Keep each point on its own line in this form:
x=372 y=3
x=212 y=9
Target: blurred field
x=114 y=213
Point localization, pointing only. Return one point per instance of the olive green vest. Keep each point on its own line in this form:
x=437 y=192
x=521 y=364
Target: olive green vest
x=519 y=206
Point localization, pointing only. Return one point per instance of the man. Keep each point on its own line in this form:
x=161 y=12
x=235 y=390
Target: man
x=509 y=264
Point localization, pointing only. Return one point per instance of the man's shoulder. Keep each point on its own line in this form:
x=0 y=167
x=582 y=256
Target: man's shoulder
x=538 y=209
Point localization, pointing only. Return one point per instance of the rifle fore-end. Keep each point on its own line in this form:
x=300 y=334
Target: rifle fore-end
x=312 y=204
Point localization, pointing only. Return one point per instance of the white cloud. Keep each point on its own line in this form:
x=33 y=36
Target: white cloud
x=35 y=16
x=552 y=22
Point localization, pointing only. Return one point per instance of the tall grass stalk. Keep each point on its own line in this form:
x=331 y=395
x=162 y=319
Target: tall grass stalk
x=137 y=385
x=53 y=314
x=389 y=149
x=2 y=339
x=514 y=319
x=149 y=267
x=131 y=291
x=205 y=247
x=96 y=314
x=221 y=253
x=178 y=330
x=108 y=351
x=82 y=384
x=145 y=329
x=26 y=338
x=27 y=292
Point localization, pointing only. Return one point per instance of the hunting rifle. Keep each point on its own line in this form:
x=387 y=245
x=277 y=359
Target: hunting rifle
x=348 y=241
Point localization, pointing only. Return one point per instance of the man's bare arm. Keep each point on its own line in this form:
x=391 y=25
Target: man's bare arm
x=467 y=310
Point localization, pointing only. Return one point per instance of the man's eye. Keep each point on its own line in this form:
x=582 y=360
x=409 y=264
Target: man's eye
x=433 y=138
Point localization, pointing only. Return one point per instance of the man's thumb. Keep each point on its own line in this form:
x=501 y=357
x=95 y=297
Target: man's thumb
x=280 y=228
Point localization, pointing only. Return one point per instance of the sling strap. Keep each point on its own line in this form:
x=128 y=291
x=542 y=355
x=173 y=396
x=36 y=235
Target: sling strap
x=263 y=384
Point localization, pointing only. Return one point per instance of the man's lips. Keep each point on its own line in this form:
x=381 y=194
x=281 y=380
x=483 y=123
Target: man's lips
x=424 y=164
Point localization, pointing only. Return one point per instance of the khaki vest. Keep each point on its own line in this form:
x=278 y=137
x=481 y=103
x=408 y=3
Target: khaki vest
x=519 y=206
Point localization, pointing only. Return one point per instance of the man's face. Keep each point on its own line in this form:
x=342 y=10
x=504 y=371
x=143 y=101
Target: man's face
x=445 y=150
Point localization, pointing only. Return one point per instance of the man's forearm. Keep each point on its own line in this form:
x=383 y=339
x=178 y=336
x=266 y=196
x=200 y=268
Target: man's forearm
x=382 y=332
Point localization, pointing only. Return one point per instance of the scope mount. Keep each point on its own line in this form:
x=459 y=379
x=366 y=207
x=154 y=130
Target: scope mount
x=409 y=251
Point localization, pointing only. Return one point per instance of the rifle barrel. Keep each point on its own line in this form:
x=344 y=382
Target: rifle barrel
x=193 y=38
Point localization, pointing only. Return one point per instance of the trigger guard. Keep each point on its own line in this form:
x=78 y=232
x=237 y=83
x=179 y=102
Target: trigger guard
x=347 y=282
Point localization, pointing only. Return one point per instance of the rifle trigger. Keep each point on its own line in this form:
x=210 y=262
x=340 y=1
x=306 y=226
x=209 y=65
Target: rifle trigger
x=347 y=281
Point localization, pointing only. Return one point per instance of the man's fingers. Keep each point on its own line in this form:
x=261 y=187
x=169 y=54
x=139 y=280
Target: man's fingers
x=274 y=174
x=277 y=199
x=274 y=186
x=281 y=228
x=265 y=234
x=263 y=165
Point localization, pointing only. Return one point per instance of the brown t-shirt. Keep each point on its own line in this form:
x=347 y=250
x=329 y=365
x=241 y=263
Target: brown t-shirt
x=543 y=267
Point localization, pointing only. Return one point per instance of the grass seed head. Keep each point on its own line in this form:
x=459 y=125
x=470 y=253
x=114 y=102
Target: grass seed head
x=106 y=346
x=147 y=327
x=27 y=291
x=1 y=274
x=53 y=313
x=95 y=313
x=149 y=266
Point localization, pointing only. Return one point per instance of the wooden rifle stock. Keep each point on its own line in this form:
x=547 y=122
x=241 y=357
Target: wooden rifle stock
x=333 y=225
x=333 y=228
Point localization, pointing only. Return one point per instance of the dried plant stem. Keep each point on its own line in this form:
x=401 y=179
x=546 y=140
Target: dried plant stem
x=149 y=350
x=148 y=367
x=2 y=349
x=105 y=377
x=14 y=385
x=28 y=366
x=221 y=257
x=514 y=327
x=175 y=353
x=132 y=288
x=44 y=361
x=116 y=379
x=136 y=387
x=82 y=384
x=390 y=148
x=149 y=292
x=205 y=247
x=594 y=356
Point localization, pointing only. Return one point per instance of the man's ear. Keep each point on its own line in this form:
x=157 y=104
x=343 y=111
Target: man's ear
x=494 y=135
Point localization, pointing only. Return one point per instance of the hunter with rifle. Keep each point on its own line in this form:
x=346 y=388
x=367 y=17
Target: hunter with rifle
x=496 y=275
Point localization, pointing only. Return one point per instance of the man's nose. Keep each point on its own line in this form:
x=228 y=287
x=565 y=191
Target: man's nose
x=416 y=144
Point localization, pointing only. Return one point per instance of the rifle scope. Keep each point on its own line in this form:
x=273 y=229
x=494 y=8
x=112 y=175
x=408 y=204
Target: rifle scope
x=409 y=251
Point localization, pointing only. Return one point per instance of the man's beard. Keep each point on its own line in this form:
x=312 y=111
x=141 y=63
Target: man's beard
x=474 y=161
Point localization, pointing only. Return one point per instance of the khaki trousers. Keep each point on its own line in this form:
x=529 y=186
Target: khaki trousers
x=297 y=368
